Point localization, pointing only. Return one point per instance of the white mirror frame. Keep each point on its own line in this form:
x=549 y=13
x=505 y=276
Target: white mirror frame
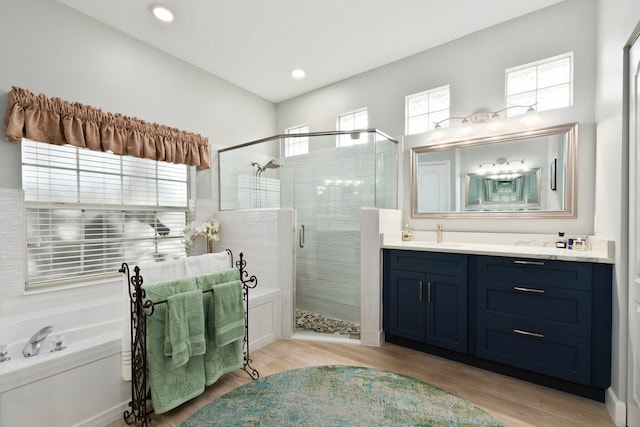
x=571 y=131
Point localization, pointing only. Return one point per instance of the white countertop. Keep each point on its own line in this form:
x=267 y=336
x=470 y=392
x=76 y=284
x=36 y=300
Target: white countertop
x=600 y=252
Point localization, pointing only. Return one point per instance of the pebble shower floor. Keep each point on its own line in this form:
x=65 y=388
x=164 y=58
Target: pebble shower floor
x=308 y=321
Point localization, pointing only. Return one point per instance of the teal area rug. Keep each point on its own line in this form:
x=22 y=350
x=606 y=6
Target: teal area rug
x=339 y=396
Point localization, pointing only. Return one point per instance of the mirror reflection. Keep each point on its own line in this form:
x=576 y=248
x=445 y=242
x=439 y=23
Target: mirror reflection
x=525 y=174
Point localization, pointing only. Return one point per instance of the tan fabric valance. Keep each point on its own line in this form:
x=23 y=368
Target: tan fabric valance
x=60 y=122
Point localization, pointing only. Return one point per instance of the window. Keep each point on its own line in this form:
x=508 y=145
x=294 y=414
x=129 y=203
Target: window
x=353 y=120
x=88 y=211
x=298 y=145
x=423 y=109
x=547 y=83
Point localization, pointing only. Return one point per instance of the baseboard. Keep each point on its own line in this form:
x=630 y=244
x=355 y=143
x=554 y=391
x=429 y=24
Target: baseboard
x=263 y=341
x=372 y=338
x=617 y=408
x=105 y=417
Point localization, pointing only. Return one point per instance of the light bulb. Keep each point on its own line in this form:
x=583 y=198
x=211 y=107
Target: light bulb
x=298 y=73
x=162 y=12
x=466 y=130
x=438 y=134
x=496 y=125
x=531 y=119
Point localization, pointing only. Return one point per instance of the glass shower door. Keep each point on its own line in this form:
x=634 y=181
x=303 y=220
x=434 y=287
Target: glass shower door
x=328 y=188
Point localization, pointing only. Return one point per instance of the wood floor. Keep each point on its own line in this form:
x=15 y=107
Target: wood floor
x=516 y=403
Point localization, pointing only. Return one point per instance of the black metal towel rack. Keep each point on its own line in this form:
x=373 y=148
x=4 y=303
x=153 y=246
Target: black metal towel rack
x=141 y=308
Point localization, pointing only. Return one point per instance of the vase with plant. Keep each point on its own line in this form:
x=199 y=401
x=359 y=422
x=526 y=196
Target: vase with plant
x=209 y=230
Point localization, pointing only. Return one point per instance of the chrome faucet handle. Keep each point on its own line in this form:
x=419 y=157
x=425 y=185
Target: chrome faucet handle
x=57 y=343
x=4 y=350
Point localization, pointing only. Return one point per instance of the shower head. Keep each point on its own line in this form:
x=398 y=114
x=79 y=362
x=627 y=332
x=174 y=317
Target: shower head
x=271 y=165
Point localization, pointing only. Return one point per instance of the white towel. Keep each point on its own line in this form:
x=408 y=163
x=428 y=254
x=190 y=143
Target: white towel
x=158 y=272
x=126 y=332
x=208 y=263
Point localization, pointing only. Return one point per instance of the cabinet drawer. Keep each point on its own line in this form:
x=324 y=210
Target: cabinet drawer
x=565 y=311
x=558 y=355
x=559 y=274
x=454 y=265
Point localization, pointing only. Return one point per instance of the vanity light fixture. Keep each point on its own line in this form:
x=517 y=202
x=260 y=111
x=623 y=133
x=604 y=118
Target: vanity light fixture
x=162 y=12
x=493 y=121
x=502 y=165
x=298 y=73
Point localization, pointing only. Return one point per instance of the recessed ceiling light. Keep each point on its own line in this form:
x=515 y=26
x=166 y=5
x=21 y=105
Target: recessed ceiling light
x=298 y=73
x=161 y=12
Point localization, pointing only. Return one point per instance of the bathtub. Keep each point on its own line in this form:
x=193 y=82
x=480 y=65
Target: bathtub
x=78 y=386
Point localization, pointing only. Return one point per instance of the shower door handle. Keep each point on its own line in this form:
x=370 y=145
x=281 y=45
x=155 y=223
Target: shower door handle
x=301 y=236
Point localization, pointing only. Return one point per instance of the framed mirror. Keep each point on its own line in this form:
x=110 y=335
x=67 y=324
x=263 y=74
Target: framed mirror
x=528 y=174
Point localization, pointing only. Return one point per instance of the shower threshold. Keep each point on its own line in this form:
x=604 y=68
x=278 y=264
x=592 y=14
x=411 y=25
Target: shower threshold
x=314 y=322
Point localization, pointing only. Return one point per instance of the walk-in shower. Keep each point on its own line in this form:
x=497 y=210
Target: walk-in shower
x=336 y=175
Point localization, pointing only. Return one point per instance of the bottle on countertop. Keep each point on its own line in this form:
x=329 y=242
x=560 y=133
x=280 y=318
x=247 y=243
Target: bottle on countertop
x=406 y=233
x=561 y=242
x=580 y=244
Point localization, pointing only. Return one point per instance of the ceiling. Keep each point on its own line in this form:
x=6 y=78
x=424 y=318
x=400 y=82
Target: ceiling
x=254 y=44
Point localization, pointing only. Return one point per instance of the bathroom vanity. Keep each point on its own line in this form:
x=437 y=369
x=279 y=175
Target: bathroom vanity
x=538 y=313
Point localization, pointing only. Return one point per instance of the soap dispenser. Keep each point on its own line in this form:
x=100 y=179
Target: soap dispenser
x=406 y=233
x=561 y=242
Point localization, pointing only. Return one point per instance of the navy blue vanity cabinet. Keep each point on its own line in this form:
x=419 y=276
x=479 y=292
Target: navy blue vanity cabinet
x=425 y=297
x=546 y=316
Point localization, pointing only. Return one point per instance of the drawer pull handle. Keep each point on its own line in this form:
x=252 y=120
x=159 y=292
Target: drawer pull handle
x=420 y=291
x=429 y=292
x=529 y=334
x=517 y=261
x=529 y=290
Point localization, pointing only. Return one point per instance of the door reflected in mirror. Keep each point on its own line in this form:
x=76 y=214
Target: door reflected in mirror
x=522 y=174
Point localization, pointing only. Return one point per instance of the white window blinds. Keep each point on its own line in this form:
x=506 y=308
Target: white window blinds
x=89 y=211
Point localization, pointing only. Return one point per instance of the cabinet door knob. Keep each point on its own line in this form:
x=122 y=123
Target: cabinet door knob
x=528 y=290
x=529 y=334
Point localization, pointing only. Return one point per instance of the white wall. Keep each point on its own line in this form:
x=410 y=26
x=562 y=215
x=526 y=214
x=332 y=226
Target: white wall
x=616 y=22
x=474 y=68
x=49 y=48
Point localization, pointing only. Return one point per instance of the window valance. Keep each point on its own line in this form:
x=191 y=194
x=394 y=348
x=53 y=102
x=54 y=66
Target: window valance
x=59 y=122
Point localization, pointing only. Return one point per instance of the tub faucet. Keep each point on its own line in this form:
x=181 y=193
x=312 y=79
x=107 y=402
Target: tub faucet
x=32 y=348
x=438 y=233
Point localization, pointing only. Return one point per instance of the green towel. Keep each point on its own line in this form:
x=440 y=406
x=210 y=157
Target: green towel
x=170 y=386
x=218 y=360
x=228 y=312
x=184 y=328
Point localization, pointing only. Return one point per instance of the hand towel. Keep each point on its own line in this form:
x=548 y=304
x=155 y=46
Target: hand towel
x=218 y=360
x=228 y=307
x=170 y=386
x=184 y=328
